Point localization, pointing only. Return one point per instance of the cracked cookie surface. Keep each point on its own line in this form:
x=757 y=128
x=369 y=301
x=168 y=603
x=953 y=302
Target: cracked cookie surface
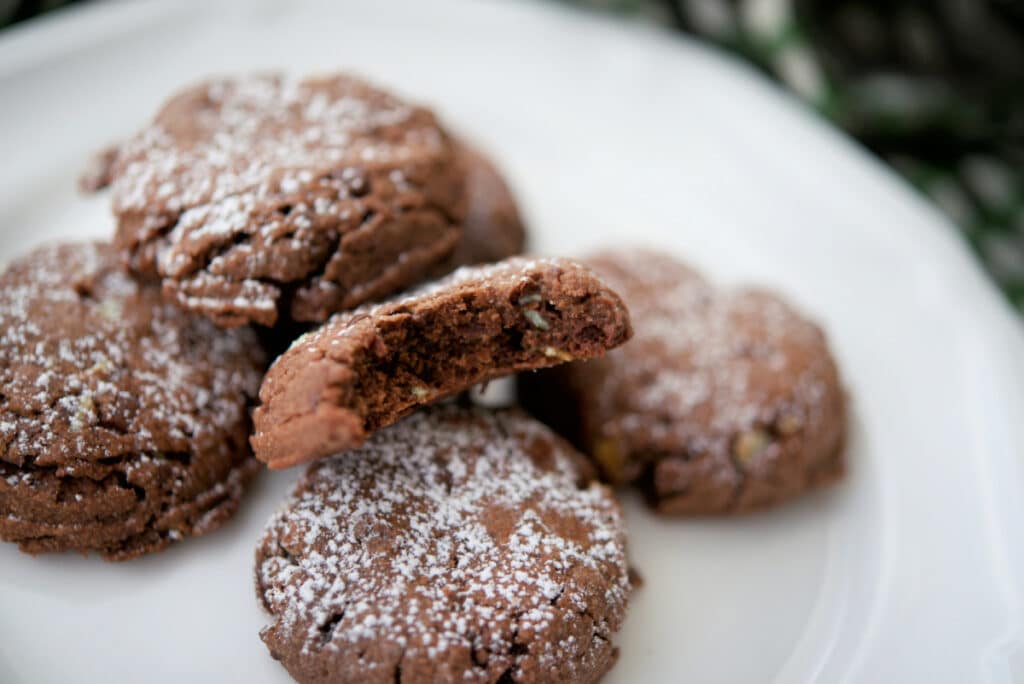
x=123 y=420
x=365 y=369
x=262 y=198
x=724 y=400
x=459 y=545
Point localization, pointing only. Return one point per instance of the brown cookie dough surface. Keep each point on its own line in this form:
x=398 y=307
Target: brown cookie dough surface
x=493 y=229
x=724 y=401
x=99 y=171
x=365 y=369
x=262 y=198
x=123 y=420
x=459 y=545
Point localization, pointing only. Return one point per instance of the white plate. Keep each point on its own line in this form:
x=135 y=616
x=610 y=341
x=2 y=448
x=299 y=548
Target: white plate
x=906 y=572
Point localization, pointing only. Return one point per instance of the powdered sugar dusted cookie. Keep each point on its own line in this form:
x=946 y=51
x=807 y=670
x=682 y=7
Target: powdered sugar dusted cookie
x=367 y=368
x=458 y=545
x=722 y=402
x=267 y=197
x=123 y=420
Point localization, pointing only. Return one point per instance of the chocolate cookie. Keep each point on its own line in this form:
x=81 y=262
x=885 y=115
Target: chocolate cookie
x=459 y=545
x=493 y=229
x=123 y=420
x=367 y=368
x=99 y=172
x=264 y=197
x=723 y=402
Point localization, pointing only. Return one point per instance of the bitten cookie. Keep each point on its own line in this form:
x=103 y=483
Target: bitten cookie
x=458 y=545
x=724 y=401
x=493 y=228
x=263 y=198
x=367 y=368
x=123 y=420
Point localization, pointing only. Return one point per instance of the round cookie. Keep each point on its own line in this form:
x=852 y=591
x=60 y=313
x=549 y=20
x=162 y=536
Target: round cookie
x=724 y=401
x=460 y=545
x=123 y=420
x=493 y=228
x=262 y=198
x=365 y=369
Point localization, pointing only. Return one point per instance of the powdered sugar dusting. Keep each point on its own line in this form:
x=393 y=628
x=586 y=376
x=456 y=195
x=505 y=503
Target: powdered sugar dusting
x=443 y=536
x=253 y=177
x=703 y=365
x=251 y=137
x=93 y=364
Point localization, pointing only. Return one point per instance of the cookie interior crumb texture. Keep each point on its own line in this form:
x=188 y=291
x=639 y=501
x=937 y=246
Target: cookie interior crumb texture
x=365 y=369
x=459 y=545
x=262 y=198
x=123 y=421
x=724 y=401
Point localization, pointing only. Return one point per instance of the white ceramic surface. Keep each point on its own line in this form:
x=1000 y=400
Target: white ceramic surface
x=909 y=571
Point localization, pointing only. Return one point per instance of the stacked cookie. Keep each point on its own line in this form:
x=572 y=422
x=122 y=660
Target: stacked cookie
x=429 y=540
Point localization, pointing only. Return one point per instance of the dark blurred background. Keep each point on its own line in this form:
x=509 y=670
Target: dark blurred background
x=12 y=11
x=935 y=88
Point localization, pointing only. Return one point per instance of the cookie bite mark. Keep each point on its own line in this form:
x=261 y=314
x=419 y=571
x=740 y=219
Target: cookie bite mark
x=266 y=198
x=725 y=401
x=458 y=545
x=365 y=369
